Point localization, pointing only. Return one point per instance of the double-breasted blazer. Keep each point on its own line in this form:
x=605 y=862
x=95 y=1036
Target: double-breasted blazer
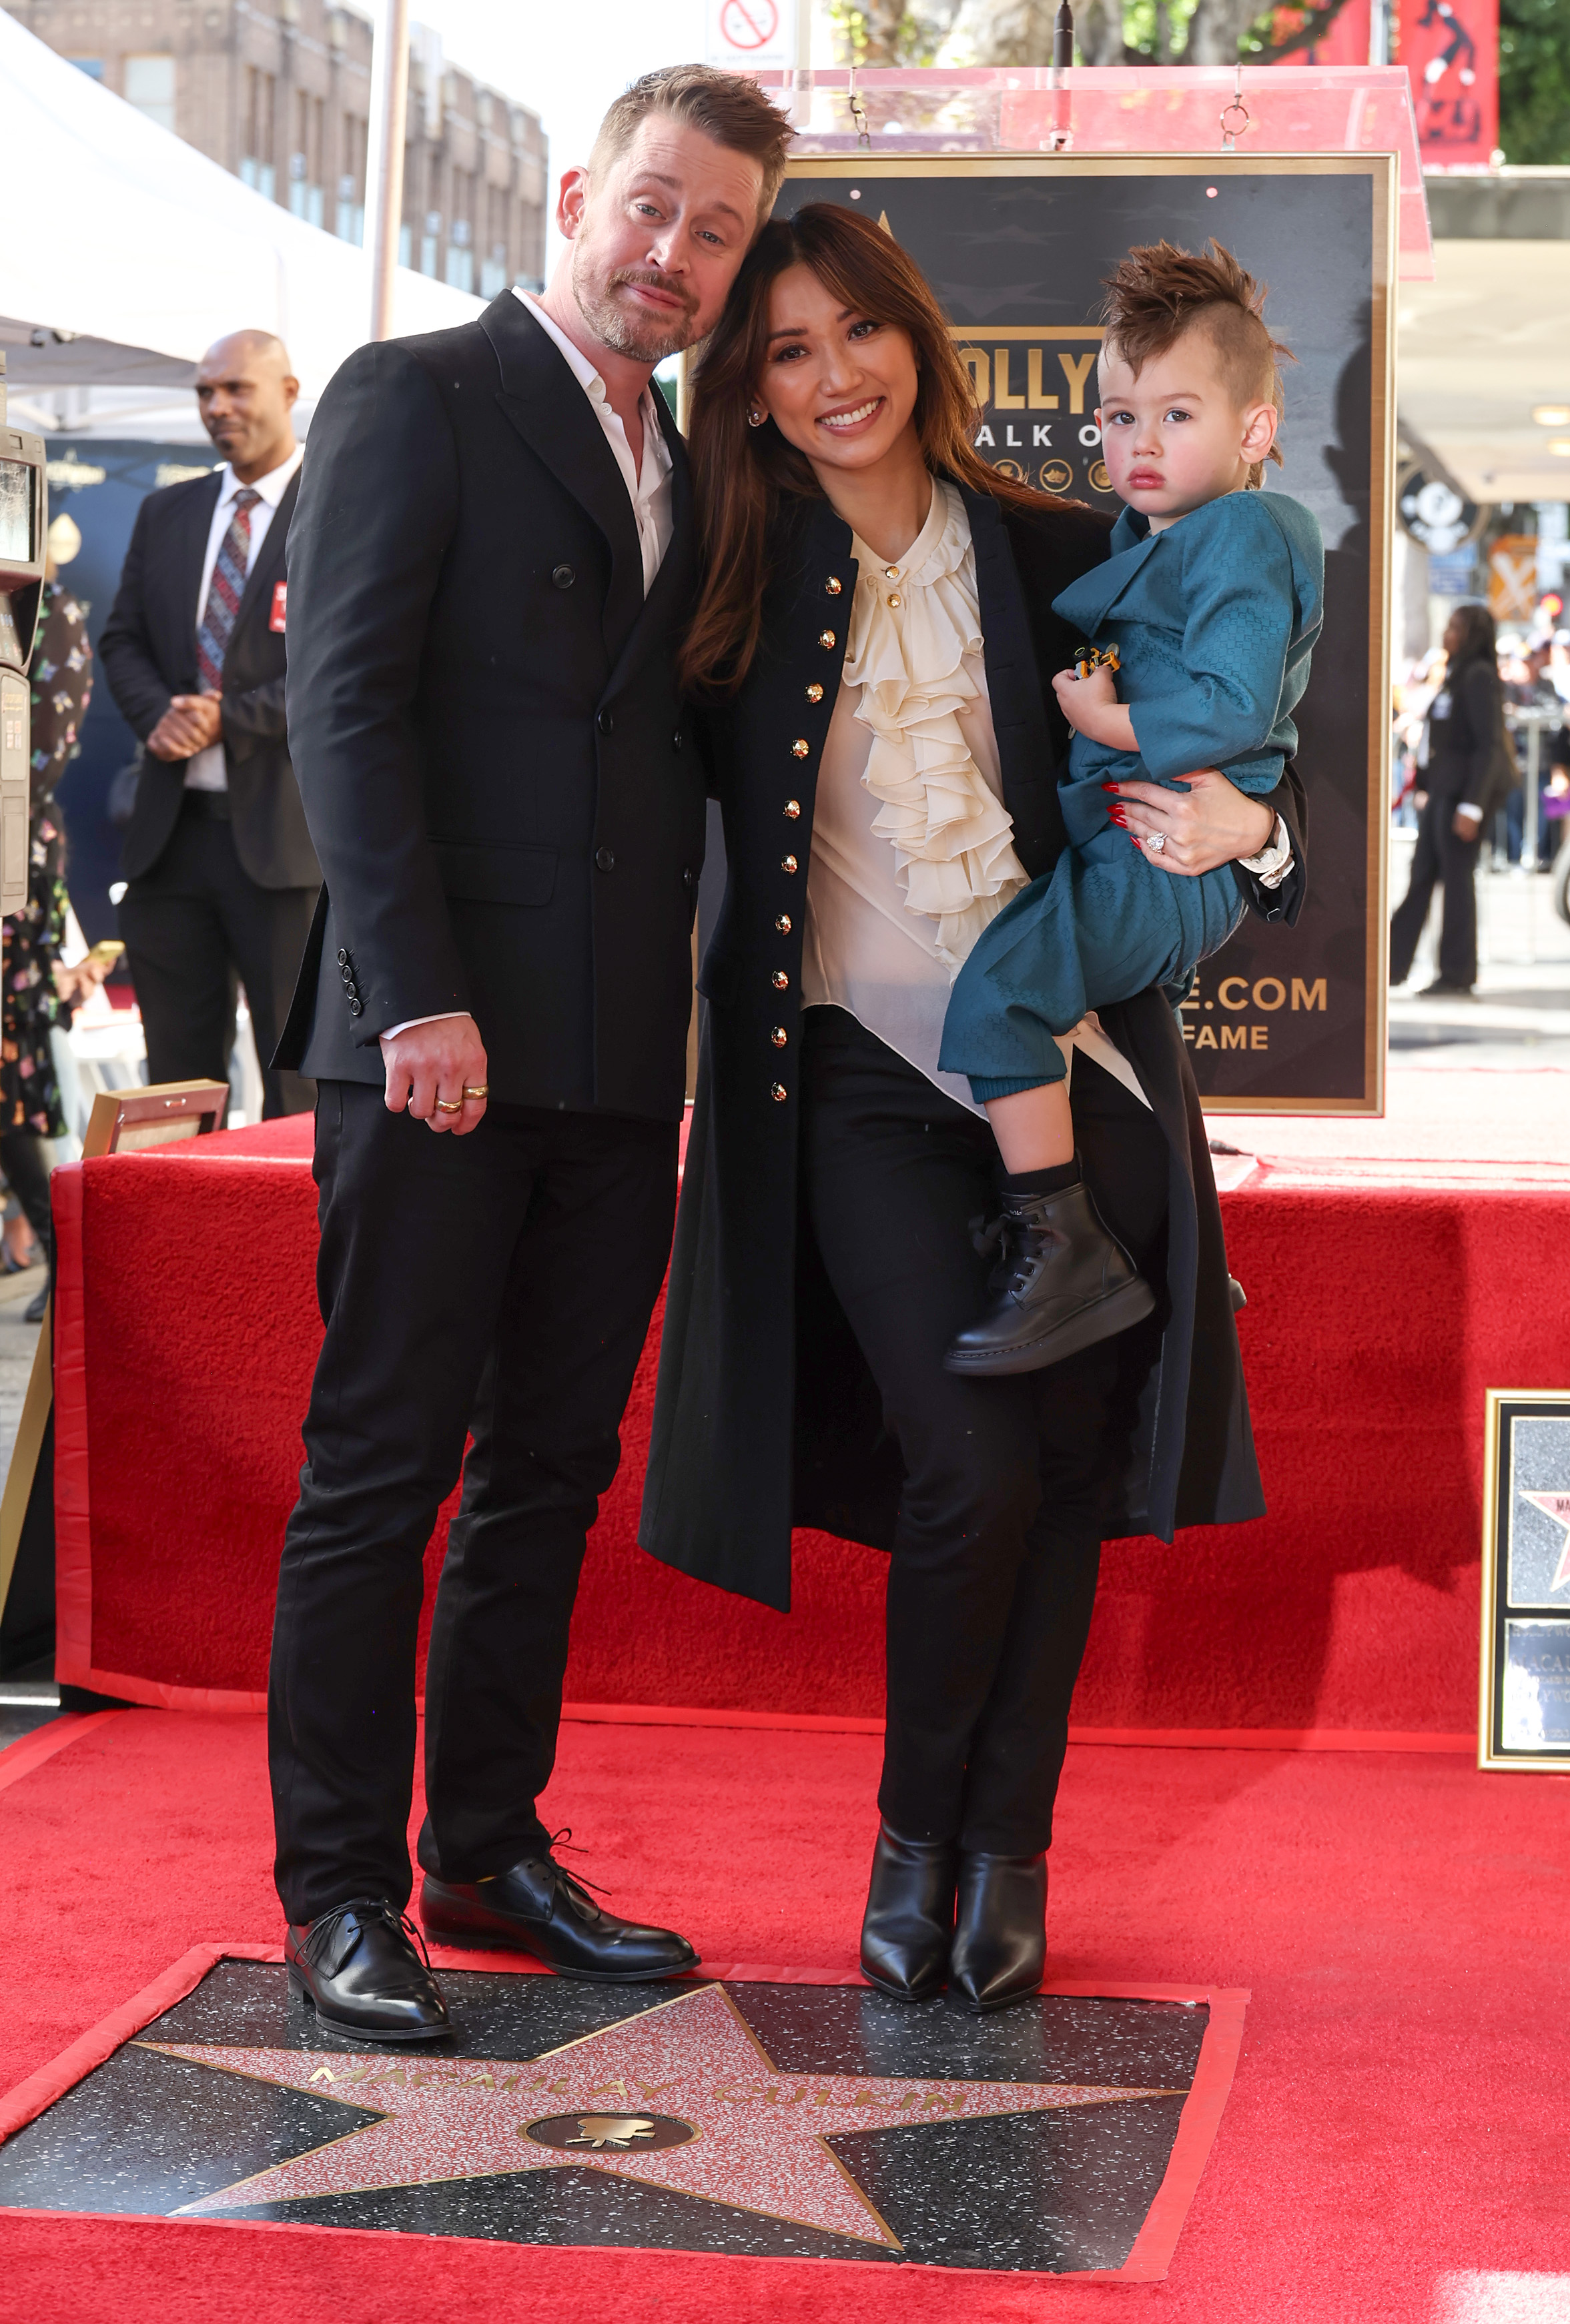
x=487 y=727
x=149 y=652
x=766 y=1415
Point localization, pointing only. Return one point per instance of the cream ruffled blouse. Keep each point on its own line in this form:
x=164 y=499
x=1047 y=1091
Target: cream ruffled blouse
x=912 y=847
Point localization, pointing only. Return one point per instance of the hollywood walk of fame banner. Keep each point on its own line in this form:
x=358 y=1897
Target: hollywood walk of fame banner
x=1017 y=248
x=1524 y=1690
x=767 y=2114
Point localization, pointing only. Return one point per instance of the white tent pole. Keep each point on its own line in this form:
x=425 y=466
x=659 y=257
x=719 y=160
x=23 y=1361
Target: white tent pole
x=385 y=161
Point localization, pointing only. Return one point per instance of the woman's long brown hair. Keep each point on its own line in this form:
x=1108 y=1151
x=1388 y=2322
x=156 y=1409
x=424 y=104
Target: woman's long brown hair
x=741 y=474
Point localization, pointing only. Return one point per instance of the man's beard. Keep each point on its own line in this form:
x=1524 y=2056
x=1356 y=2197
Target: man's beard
x=641 y=338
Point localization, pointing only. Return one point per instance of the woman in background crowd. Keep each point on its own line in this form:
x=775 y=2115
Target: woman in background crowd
x=36 y=991
x=1464 y=771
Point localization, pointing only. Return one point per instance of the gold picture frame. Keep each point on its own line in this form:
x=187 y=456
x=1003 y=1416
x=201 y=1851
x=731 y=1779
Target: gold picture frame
x=1523 y=1714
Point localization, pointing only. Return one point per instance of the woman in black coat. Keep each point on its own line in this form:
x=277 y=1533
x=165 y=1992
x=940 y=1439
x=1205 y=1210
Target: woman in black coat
x=824 y=1248
x=1461 y=781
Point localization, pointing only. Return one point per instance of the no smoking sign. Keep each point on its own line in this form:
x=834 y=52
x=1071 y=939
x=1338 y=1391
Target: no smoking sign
x=748 y=33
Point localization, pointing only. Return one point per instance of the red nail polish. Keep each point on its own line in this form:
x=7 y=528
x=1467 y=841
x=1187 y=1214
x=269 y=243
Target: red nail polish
x=1119 y=818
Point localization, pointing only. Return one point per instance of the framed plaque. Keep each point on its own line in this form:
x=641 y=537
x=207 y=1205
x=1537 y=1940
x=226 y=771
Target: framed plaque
x=1524 y=1693
x=1018 y=247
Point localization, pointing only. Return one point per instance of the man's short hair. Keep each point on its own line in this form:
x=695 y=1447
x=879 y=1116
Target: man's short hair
x=1158 y=294
x=723 y=105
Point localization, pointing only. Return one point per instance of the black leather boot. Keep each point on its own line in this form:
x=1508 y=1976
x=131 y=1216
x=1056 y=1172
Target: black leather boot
x=356 y=1967
x=909 y=1925
x=1062 y=1282
x=537 y=1907
x=1000 y=1937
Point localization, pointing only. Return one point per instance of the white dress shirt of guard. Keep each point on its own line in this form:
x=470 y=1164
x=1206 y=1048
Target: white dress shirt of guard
x=207 y=771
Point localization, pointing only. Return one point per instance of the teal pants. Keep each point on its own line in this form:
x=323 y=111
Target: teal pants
x=1092 y=932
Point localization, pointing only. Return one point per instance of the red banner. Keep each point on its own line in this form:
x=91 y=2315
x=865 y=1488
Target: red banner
x=1343 y=42
x=1451 y=50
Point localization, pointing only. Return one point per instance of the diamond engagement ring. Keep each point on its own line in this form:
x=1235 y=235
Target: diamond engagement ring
x=1156 y=842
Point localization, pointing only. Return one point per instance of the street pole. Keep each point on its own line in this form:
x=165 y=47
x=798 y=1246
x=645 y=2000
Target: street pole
x=384 y=160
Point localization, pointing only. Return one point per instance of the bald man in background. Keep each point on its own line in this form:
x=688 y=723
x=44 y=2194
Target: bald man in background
x=221 y=875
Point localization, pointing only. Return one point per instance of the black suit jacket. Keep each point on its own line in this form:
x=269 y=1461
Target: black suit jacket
x=766 y=1416
x=149 y=652
x=487 y=729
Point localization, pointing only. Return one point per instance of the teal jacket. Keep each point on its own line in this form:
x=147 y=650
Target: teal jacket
x=1215 y=620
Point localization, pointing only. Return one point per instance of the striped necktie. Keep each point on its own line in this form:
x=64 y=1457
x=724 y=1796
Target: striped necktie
x=224 y=593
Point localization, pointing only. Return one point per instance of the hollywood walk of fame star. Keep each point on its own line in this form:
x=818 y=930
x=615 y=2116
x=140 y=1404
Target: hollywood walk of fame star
x=733 y=2128
x=1557 y=1506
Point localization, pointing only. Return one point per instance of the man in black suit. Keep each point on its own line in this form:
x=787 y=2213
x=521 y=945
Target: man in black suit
x=492 y=562
x=222 y=877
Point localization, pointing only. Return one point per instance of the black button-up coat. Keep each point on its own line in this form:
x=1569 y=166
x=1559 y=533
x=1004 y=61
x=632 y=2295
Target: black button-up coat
x=766 y=1415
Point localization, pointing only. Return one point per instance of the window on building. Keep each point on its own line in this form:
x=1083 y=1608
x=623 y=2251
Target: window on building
x=150 y=88
x=460 y=251
x=257 y=161
x=351 y=217
x=429 y=240
x=92 y=66
x=306 y=198
x=406 y=244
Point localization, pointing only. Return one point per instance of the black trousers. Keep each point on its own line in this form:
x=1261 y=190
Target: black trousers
x=1441 y=855
x=499 y=1284
x=1009 y=1483
x=190 y=925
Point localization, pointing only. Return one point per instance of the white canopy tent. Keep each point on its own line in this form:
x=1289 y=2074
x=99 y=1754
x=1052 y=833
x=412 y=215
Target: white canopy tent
x=128 y=253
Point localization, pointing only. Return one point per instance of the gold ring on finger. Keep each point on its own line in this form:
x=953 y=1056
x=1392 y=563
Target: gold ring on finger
x=449 y=1105
x=476 y=1089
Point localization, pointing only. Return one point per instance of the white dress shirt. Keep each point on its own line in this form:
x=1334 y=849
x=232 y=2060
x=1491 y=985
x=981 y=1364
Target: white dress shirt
x=648 y=489
x=207 y=771
x=649 y=486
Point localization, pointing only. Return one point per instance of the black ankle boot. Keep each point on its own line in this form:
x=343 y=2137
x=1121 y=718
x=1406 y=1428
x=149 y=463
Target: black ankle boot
x=1000 y=1937
x=1062 y=1282
x=910 y=1917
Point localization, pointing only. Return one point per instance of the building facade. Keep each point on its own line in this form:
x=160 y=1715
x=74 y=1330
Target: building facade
x=278 y=91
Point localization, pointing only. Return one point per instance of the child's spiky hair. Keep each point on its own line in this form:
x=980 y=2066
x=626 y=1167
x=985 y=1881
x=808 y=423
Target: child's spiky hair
x=1158 y=293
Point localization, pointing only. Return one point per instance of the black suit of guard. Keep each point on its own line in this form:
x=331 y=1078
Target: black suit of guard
x=510 y=822
x=215 y=877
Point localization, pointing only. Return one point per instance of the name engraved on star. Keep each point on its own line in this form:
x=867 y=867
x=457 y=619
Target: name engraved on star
x=743 y=2132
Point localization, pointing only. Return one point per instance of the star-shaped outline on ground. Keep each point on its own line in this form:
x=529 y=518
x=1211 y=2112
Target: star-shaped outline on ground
x=1556 y=1507
x=761 y=2130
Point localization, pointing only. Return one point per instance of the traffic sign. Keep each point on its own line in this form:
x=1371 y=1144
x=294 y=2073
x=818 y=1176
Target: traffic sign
x=749 y=35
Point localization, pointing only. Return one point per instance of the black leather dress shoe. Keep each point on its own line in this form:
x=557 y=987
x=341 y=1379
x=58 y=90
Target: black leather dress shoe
x=538 y=1908
x=1062 y=1282
x=1000 y=1937
x=908 y=1926
x=358 y=1967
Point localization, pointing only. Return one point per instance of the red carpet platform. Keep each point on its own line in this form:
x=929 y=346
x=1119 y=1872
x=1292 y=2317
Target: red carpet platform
x=1386 y=2153
x=1395 y=1270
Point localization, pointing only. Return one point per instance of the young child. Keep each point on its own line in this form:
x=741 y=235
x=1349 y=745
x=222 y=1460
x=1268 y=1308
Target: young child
x=1207 y=610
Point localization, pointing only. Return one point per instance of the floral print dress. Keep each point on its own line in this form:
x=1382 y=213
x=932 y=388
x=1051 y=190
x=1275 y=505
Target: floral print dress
x=62 y=685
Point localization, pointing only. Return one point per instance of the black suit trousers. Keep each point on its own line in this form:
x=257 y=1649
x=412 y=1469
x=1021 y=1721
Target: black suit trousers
x=1442 y=857
x=192 y=923
x=500 y=1284
x=1009 y=1483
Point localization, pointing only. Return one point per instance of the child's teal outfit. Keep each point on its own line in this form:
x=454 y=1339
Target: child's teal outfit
x=1215 y=620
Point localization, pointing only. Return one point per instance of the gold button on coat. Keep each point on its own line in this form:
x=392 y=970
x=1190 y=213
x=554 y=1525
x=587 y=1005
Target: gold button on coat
x=780 y=981
x=786 y=863
x=783 y=923
x=834 y=585
x=826 y=638
x=800 y=747
x=777 y=1090
x=793 y=808
x=815 y=694
x=778 y=1037
x=890 y=572
x=893 y=598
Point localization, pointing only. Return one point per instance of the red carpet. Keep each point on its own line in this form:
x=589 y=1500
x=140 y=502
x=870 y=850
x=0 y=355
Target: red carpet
x=1392 y=2123
x=1388 y=1289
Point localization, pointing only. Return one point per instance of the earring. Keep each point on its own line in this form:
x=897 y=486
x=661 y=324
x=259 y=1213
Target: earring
x=755 y=418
